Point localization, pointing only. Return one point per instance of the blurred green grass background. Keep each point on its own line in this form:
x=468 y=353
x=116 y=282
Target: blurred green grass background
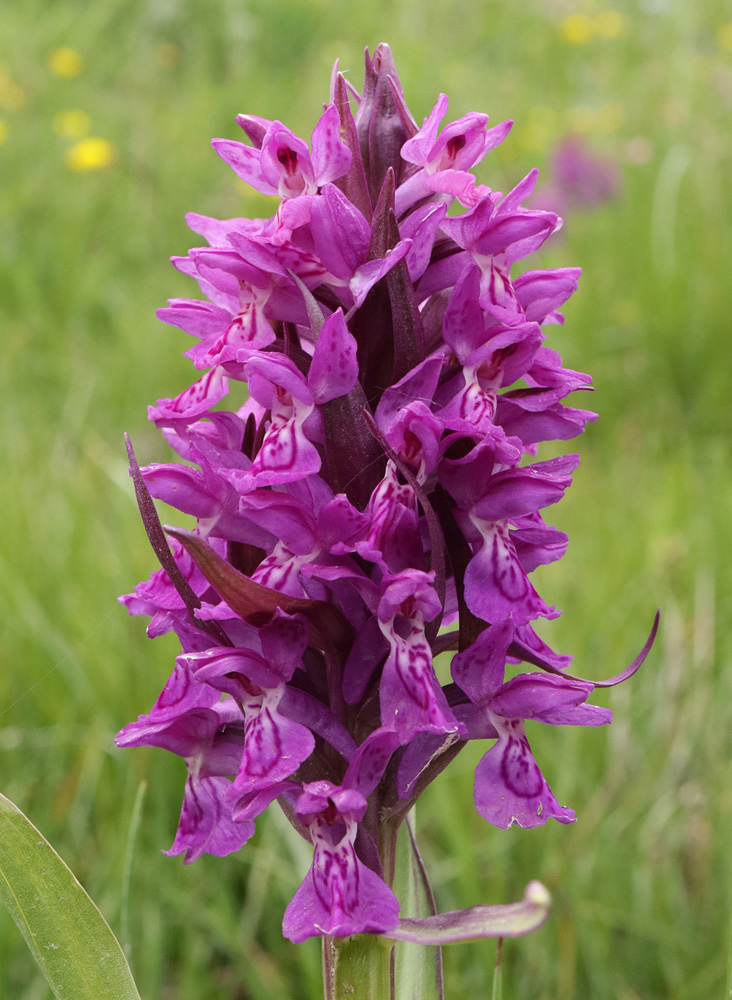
x=641 y=882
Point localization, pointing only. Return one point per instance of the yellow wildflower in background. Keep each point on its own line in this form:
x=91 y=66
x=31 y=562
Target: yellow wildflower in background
x=724 y=36
x=609 y=24
x=65 y=62
x=90 y=154
x=576 y=29
x=71 y=124
x=3 y=131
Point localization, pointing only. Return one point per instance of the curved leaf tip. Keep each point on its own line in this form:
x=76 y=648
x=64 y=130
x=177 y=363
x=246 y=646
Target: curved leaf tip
x=502 y=920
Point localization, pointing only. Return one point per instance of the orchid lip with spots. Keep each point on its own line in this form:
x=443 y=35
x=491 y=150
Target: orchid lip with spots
x=359 y=452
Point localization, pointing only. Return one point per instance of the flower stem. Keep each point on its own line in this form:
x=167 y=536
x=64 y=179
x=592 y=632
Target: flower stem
x=388 y=833
x=358 y=967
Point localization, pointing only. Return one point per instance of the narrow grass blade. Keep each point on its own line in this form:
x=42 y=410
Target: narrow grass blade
x=135 y=822
x=729 y=962
x=68 y=936
x=497 y=992
x=418 y=968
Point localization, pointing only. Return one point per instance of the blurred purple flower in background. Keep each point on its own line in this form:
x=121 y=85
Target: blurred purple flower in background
x=580 y=178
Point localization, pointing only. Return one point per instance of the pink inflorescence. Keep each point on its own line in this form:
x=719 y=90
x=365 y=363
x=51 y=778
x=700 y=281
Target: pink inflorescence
x=370 y=504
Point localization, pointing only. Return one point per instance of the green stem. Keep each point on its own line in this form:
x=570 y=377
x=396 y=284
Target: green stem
x=358 y=968
x=388 y=834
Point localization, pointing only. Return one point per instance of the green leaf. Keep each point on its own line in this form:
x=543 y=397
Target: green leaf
x=69 y=938
x=418 y=970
